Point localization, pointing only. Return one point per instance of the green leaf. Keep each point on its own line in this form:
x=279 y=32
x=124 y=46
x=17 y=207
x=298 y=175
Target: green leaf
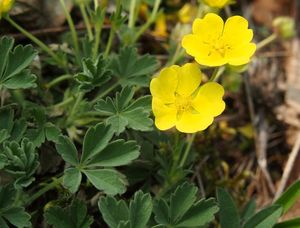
x=140 y=210
x=123 y=113
x=95 y=140
x=17 y=216
x=52 y=132
x=72 y=179
x=161 y=211
x=265 y=218
x=13 y=64
x=200 y=214
x=10 y=214
x=113 y=212
x=229 y=216
x=249 y=210
x=95 y=73
x=181 y=201
x=293 y=223
x=132 y=69
x=22 y=162
x=183 y=210
x=116 y=153
x=289 y=197
x=67 y=150
x=73 y=216
x=108 y=180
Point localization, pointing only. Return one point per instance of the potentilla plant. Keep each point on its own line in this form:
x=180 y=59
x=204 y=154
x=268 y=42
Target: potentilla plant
x=105 y=138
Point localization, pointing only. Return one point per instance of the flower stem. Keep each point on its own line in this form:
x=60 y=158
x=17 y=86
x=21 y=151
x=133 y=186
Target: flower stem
x=37 y=41
x=266 y=41
x=75 y=106
x=96 y=4
x=131 y=21
x=216 y=74
x=55 y=182
x=98 y=29
x=150 y=20
x=86 y=21
x=58 y=80
x=72 y=28
x=109 y=42
x=187 y=150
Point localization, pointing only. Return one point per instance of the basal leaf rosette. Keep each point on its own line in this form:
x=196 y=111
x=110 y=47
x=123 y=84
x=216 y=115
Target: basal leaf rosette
x=215 y=43
x=5 y=6
x=217 y=3
x=177 y=99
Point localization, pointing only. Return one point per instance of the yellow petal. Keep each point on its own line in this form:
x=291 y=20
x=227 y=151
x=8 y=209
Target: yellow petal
x=164 y=86
x=211 y=26
x=212 y=59
x=190 y=123
x=236 y=31
x=194 y=46
x=189 y=78
x=209 y=99
x=165 y=116
x=241 y=55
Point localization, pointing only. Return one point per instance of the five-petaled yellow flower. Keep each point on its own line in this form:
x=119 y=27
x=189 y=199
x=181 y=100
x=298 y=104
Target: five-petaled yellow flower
x=5 y=6
x=177 y=99
x=214 y=43
x=217 y=3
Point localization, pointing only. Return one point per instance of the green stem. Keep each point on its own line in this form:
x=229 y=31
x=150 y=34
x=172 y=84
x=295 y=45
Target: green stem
x=98 y=29
x=105 y=92
x=109 y=42
x=150 y=20
x=63 y=103
x=58 y=80
x=86 y=21
x=266 y=41
x=37 y=41
x=131 y=21
x=96 y=4
x=187 y=150
x=72 y=28
x=75 y=106
x=217 y=73
x=56 y=182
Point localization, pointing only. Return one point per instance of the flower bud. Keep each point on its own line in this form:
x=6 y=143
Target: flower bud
x=284 y=27
x=5 y=6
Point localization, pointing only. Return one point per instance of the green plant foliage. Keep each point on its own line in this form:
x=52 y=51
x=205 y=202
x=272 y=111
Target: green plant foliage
x=229 y=217
x=265 y=218
x=117 y=213
x=95 y=73
x=184 y=210
x=124 y=112
x=21 y=161
x=73 y=216
x=293 y=223
x=132 y=69
x=99 y=156
x=289 y=197
x=14 y=63
x=249 y=210
x=11 y=129
x=9 y=213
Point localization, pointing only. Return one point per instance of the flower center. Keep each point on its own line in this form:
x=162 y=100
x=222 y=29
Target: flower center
x=183 y=104
x=219 y=46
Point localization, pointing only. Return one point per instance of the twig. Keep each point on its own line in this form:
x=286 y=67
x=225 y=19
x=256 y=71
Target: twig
x=288 y=167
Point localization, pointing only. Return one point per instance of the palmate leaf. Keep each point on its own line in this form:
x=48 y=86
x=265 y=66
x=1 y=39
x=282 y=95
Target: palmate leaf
x=123 y=113
x=98 y=152
x=10 y=214
x=184 y=210
x=132 y=69
x=117 y=213
x=95 y=73
x=21 y=162
x=14 y=63
x=74 y=216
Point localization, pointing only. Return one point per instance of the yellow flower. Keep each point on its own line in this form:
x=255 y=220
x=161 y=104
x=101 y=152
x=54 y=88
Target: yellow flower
x=5 y=6
x=177 y=99
x=187 y=13
x=214 y=43
x=217 y=3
